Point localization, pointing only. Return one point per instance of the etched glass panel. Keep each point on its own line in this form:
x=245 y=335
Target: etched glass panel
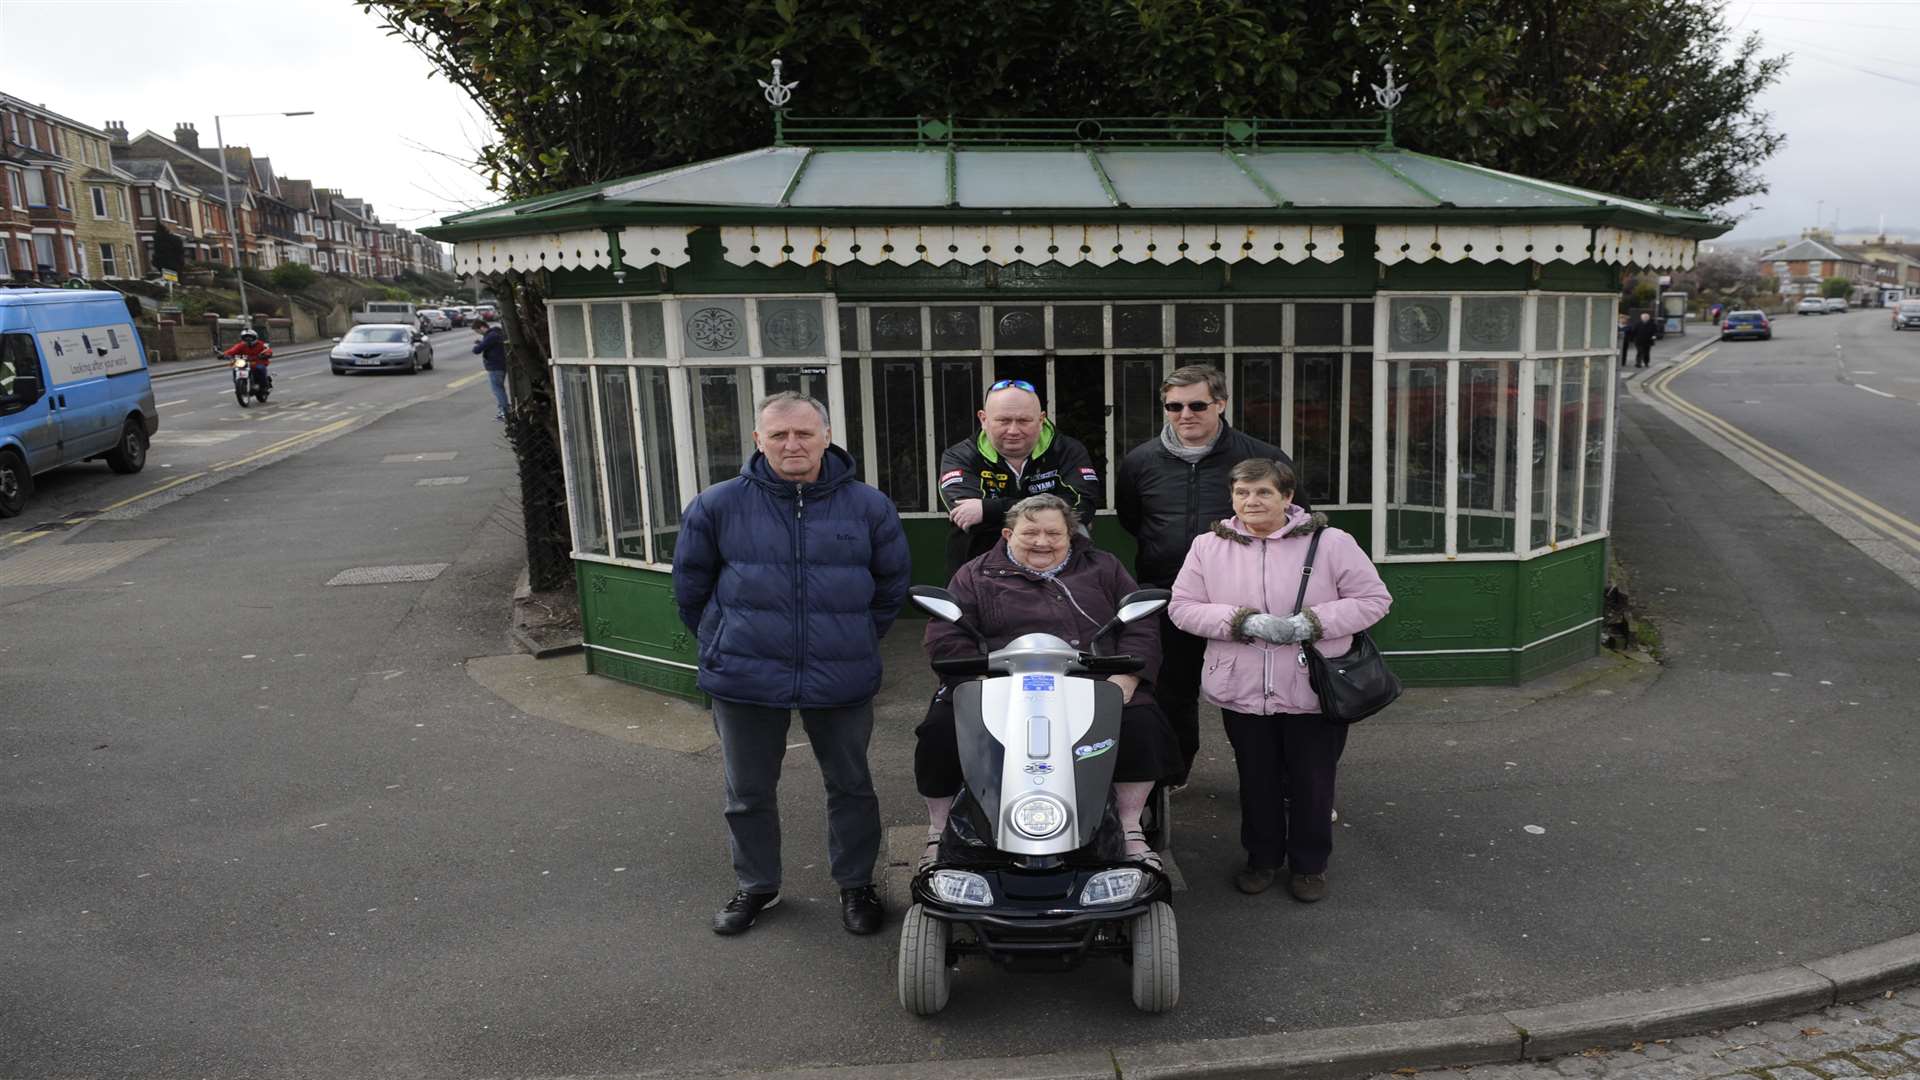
x=586 y=508
x=1318 y=324
x=1593 y=504
x=722 y=422
x=1079 y=407
x=623 y=461
x=849 y=329
x=1601 y=319
x=1316 y=428
x=791 y=328
x=609 y=331
x=1019 y=328
x=1546 y=324
x=1257 y=402
x=899 y=430
x=1077 y=326
x=894 y=328
x=1488 y=411
x=1418 y=324
x=1540 y=530
x=956 y=327
x=1199 y=324
x=1360 y=428
x=1136 y=392
x=1362 y=319
x=569 y=331
x=711 y=326
x=1136 y=326
x=956 y=398
x=1416 y=458
x=1572 y=453
x=850 y=432
x=649 y=330
x=1257 y=324
x=663 y=465
x=1490 y=324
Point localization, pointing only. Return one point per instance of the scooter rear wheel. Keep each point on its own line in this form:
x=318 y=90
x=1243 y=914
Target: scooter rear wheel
x=924 y=977
x=1156 y=959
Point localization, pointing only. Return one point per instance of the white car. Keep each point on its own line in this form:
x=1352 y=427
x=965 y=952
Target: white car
x=382 y=347
x=1812 y=305
x=1836 y=305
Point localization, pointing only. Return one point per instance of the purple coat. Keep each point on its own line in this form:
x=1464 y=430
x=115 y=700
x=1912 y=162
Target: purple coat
x=1229 y=572
x=1004 y=600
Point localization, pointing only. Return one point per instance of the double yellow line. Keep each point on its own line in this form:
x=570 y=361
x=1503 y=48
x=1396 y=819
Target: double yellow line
x=274 y=448
x=1845 y=499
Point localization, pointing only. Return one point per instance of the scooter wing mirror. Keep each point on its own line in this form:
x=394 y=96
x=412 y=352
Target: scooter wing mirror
x=938 y=603
x=1141 y=603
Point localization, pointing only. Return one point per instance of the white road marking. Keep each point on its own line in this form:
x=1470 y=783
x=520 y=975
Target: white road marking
x=170 y=404
x=1871 y=390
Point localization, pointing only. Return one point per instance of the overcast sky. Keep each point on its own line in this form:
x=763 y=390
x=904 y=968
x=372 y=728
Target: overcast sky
x=384 y=130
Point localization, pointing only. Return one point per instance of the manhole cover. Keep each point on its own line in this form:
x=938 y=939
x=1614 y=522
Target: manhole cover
x=69 y=563
x=388 y=575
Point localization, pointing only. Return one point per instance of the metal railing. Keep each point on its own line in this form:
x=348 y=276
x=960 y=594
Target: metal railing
x=926 y=131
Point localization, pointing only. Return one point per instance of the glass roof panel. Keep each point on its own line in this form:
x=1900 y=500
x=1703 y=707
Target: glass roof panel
x=1332 y=178
x=1179 y=178
x=1468 y=187
x=873 y=178
x=994 y=179
x=756 y=178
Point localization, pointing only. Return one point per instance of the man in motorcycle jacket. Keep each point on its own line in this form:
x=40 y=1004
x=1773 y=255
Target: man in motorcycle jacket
x=1017 y=452
x=255 y=350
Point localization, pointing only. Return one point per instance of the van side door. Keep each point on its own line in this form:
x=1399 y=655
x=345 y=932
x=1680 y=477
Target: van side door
x=26 y=408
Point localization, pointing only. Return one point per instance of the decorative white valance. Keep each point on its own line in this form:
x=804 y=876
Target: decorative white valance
x=581 y=249
x=1538 y=243
x=1063 y=245
x=1630 y=247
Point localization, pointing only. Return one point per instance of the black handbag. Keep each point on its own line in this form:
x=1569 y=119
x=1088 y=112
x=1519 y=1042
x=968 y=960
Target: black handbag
x=1357 y=683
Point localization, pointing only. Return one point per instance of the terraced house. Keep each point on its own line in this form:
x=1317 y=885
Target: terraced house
x=69 y=208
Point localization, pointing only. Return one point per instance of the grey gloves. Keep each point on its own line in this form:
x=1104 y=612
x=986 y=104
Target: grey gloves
x=1279 y=629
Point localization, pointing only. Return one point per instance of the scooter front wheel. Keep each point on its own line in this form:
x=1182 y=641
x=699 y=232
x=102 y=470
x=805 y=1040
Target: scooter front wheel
x=924 y=977
x=1156 y=959
x=240 y=394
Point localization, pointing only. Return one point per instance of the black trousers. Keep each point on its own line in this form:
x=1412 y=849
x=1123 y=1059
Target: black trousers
x=1286 y=765
x=1642 y=354
x=1177 y=689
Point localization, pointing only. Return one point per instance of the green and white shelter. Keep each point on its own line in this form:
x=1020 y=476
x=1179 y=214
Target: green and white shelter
x=1431 y=341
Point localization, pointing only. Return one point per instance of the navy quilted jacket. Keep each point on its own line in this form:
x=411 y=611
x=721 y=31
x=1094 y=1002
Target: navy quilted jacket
x=789 y=587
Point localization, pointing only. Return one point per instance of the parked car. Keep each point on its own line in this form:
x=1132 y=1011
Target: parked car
x=455 y=317
x=468 y=314
x=382 y=347
x=1746 y=324
x=74 y=387
x=432 y=319
x=1812 y=305
x=1836 y=305
x=1906 y=315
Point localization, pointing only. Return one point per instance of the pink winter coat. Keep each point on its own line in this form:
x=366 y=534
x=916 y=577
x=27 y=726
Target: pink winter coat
x=1230 y=573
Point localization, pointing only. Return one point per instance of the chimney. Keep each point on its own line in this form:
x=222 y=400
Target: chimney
x=186 y=136
x=117 y=132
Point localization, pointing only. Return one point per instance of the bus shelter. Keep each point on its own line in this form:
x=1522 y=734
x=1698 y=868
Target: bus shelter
x=1431 y=341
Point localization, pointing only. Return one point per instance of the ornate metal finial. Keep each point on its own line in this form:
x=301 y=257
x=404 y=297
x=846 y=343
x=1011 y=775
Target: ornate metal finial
x=1388 y=96
x=777 y=93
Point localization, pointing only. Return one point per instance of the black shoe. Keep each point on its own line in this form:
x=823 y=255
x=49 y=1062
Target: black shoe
x=1253 y=880
x=1308 y=888
x=741 y=912
x=860 y=910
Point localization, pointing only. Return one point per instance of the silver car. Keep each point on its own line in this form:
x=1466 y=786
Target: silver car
x=432 y=319
x=382 y=347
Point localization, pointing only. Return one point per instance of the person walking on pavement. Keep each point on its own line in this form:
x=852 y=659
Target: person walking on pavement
x=1018 y=452
x=492 y=348
x=1237 y=589
x=788 y=575
x=1643 y=334
x=1620 y=332
x=1169 y=490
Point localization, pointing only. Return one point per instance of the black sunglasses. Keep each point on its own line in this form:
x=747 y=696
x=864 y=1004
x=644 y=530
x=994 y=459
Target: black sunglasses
x=1190 y=406
x=1017 y=384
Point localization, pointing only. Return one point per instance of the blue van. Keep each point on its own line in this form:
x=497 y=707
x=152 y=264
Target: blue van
x=74 y=386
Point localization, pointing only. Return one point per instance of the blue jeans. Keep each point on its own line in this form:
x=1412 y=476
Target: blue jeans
x=498 y=380
x=753 y=740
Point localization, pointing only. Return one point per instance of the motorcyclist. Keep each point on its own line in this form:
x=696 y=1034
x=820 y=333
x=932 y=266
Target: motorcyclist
x=255 y=350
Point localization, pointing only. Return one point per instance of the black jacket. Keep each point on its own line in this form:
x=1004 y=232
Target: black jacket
x=1165 y=502
x=1059 y=466
x=1642 y=334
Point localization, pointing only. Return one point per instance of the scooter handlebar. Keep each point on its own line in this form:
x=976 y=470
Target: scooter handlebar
x=1110 y=665
x=965 y=666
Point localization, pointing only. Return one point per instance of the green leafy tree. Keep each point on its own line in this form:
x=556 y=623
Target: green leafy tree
x=292 y=276
x=169 y=251
x=1836 y=286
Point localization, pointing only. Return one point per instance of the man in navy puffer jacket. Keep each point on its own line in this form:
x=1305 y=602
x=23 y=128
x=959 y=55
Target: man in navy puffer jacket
x=789 y=574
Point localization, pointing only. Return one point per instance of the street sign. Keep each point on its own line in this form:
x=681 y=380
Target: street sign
x=170 y=277
x=168 y=309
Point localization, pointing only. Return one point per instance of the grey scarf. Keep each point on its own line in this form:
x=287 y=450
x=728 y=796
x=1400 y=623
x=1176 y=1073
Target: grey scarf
x=1189 y=454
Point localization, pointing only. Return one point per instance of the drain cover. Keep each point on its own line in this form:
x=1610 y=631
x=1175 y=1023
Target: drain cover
x=388 y=575
x=69 y=563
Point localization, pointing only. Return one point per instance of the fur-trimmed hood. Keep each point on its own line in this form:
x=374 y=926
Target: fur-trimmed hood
x=1299 y=523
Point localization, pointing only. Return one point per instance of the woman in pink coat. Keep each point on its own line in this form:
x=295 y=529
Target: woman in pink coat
x=1237 y=590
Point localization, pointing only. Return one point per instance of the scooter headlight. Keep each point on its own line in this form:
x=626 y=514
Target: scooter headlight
x=1038 y=816
x=239 y=363
x=960 y=887
x=1112 y=887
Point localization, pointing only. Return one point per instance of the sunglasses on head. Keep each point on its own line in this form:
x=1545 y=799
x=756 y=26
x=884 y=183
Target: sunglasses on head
x=1017 y=384
x=1190 y=406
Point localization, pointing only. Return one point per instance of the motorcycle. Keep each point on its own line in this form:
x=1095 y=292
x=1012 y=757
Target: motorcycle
x=1032 y=864
x=250 y=379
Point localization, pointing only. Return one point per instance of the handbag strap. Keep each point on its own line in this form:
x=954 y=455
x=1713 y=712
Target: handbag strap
x=1306 y=570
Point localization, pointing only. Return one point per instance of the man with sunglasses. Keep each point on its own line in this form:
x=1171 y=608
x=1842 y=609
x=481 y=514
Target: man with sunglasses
x=1171 y=489
x=1017 y=453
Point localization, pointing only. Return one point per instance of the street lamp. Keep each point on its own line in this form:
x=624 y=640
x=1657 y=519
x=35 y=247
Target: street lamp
x=233 y=212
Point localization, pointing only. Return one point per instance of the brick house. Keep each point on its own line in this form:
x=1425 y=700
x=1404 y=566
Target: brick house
x=46 y=245
x=1803 y=265
x=236 y=229
x=299 y=194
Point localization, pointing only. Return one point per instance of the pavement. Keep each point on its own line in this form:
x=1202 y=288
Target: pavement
x=309 y=829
